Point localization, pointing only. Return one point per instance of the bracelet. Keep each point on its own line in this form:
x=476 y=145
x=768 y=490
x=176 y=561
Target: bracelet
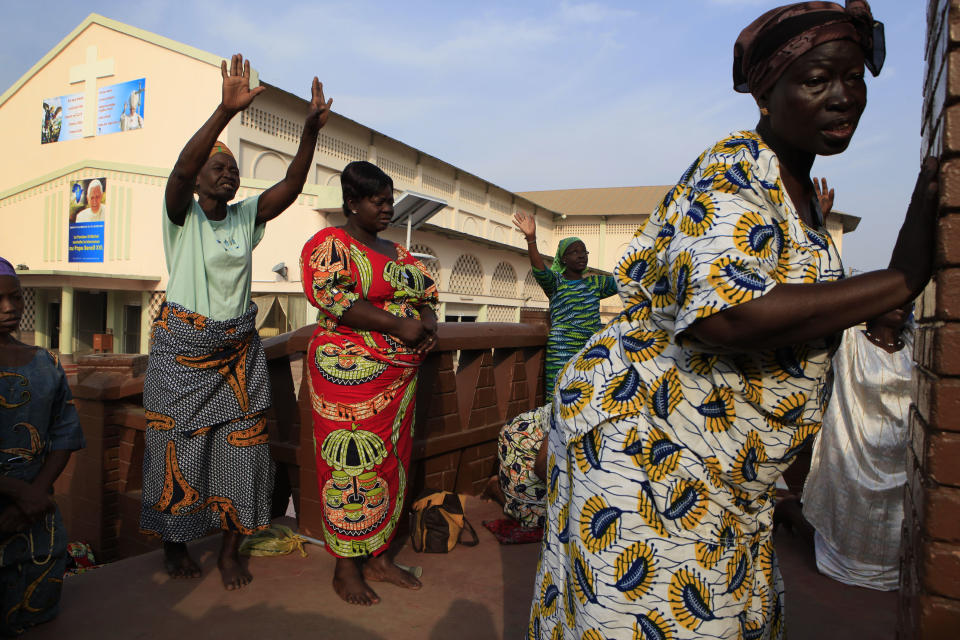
x=534 y=241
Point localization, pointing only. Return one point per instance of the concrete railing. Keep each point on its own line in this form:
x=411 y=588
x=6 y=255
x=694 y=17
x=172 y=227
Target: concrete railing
x=479 y=376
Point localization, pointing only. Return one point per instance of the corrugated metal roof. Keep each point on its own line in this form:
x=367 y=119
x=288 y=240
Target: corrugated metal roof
x=608 y=201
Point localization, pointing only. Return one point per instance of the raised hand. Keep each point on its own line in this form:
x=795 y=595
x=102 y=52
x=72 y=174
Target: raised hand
x=527 y=225
x=237 y=94
x=319 y=108
x=824 y=195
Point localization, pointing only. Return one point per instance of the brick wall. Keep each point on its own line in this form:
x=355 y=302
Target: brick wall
x=929 y=607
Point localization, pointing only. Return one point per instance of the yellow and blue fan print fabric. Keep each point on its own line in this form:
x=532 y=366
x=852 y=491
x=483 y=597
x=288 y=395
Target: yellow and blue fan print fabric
x=663 y=452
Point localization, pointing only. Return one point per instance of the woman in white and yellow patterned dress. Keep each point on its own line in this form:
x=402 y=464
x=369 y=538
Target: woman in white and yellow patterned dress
x=673 y=423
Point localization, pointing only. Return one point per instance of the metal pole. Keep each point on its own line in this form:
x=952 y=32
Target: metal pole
x=409 y=226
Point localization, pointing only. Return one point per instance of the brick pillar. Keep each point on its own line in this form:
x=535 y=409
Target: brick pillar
x=929 y=607
x=89 y=489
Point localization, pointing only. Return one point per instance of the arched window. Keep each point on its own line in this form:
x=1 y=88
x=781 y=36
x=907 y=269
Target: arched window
x=432 y=265
x=504 y=282
x=532 y=290
x=467 y=276
x=269 y=166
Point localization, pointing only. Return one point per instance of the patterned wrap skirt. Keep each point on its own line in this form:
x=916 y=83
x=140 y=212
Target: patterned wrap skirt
x=207 y=462
x=364 y=437
x=520 y=441
x=32 y=563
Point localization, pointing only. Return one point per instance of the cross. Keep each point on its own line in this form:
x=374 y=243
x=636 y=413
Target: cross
x=88 y=74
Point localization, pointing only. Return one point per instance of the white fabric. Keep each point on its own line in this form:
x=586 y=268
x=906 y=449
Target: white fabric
x=854 y=494
x=834 y=564
x=88 y=215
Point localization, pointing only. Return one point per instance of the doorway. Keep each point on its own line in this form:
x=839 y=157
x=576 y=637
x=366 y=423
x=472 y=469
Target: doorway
x=131 y=328
x=53 y=322
x=91 y=318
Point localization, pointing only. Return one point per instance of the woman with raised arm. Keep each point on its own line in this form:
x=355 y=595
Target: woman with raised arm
x=673 y=423
x=39 y=429
x=574 y=297
x=377 y=323
x=207 y=461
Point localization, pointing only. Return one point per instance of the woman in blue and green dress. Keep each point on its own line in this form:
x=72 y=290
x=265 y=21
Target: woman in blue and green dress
x=574 y=297
x=39 y=428
x=673 y=423
x=574 y=317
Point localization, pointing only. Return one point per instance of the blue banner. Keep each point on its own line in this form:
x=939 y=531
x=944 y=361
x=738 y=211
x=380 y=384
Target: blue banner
x=85 y=242
x=119 y=108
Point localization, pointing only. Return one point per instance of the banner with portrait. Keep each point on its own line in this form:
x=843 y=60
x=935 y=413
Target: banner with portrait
x=87 y=215
x=119 y=108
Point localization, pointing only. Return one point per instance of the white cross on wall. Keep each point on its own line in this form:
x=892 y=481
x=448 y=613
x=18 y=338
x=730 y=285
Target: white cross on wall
x=88 y=74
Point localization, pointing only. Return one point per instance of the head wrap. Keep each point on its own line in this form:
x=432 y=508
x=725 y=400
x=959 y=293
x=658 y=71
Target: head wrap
x=766 y=48
x=6 y=269
x=558 y=265
x=219 y=147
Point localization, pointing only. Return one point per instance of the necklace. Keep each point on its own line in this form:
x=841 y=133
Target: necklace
x=896 y=344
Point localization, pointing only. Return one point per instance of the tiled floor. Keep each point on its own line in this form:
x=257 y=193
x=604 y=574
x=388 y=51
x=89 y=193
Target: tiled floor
x=479 y=593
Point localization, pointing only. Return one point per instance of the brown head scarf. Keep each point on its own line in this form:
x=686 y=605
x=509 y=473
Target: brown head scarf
x=219 y=147
x=767 y=47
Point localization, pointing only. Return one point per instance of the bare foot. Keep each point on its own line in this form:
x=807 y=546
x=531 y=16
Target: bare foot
x=382 y=569
x=177 y=561
x=492 y=490
x=232 y=572
x=349 y=584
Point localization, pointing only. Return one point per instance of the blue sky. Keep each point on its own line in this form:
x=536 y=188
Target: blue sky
x=536 y=94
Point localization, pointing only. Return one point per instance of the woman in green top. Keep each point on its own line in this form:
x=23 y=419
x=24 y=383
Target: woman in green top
x=574 y=297
x=207 y=462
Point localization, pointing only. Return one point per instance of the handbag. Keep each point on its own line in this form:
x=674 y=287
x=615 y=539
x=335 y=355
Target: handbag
x=437 y=523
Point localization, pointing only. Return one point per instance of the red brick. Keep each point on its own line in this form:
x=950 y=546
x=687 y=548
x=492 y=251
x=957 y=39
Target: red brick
x=938 y=348
x=486 y=397
x=940 y=569
x=947 y=293
x=947 y=249
x=950 y=170
x=943 y=458
x=444 y=404
x=937 y=618
x=937 y=400
x=939 y=6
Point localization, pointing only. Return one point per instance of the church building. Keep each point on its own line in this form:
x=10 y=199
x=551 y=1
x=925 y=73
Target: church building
x=98 y=123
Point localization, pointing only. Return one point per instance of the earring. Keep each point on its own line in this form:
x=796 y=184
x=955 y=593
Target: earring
x=764 y=111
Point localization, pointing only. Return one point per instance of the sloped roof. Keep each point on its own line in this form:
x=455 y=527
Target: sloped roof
x=142 y=34
x=607 y=201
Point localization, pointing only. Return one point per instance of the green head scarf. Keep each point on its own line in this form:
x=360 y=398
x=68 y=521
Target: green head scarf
x=558 y=265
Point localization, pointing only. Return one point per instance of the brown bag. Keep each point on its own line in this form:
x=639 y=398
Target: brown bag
x=437 y=523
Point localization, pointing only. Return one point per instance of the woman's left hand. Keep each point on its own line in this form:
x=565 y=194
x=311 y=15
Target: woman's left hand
x=427 y=344
x=319 y=108
x=33 y=501
x=429 y=323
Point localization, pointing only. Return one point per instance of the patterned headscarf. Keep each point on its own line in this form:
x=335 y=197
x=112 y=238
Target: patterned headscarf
x=219 y=147
x=558 y=265
x=766 y=48
x=6 y=269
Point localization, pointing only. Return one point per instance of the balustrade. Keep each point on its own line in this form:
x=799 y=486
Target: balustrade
x=479 y=376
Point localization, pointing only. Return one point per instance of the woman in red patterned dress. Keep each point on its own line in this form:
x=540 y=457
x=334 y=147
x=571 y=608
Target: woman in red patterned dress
x=377 y=323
